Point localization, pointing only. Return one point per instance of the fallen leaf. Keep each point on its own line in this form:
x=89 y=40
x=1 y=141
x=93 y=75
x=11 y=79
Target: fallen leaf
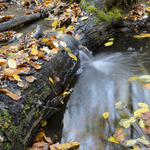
x=4 y=90
x=145 y=116
x=36 y=66
x=56 y=78
x=12 y=63
x=145 y=78
x=108 y=43
x=23 y=84
x=130 y=142
x=47 y=58
x=112 y=139
x=128 y=122
x=72 y=56
x=69 y=145
x=2 y=61
x=54 y=51
x=39 y=144
x=8 y=72
x=144 y=105
x=13 y=96
x=66 y=48
x=147 y=123
x=48 y=139
x=17 y=78
x=63 y=43
x=138 y=112
x=105 y=115
x=141 y=123
x=51 y=80
x=55 y=24
x=120 y=105
x=34 y=50
x=111 y=39
x=77 y=37
x=147 y=86
x=133 y=78
x=84 y=18
x=30 y=79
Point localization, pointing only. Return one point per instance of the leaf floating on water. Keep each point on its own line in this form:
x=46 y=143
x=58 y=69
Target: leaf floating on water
x=63 y=43
x=54 y=51
x=109 y=43
x=77 y=37
x=84 y=18
x=69 y=145
x=105 y=115
x=13 y=96
x=145 y=78
x=55 y=24
x=131 y=142
x=144 y=105
x=120 y=105
x=112 y=139
x=138 y=112
x=111 y=39
x=56 y=78
x=141 y=123
x=12 y=63
x=51 y=80
x=72 y=56
x=67 y=49
x=128 y=122
x=133 y=78
x=4 y=90
x=147 y=86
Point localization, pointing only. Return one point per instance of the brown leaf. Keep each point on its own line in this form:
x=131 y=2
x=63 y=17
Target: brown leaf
x=56 y=78
x=47 y=58
x=13 y=96
x=145 y=116
x=30 y=79
x=36 y=66
x=11 y=78
x=145 y=131
x=2 y=61
x=4 y=90
x=77 y=37
x=147 y=122
x=23 y=84
x=9 y=72
x=48 y=139
x=54 y=51
x=39 y=144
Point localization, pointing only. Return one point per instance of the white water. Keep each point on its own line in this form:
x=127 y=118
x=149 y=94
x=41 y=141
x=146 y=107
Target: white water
x=102 y=83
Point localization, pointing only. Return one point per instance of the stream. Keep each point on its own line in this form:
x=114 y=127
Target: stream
x=102 y=83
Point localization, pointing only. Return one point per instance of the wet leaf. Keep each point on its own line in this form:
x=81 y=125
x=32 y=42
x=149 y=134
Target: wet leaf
x=2 y=61
x=147 y=123
x=120 y=105
x=111 y=39
x=39 y=144
x=56 y=78
x=55 y=44
x=54 y=51
x=131 y=142
x=109 y=43
x=23 y=84
x=138 y=112
x=48 y=139
x=143 y=140
x=128 y=122
x=4 y=90
x=44 y=123
x=55 y=24
x=36 y=66
x=47 y=58
x=72 y=56
x=12 y=63
x=145 y=116
x=45 y=40
x=105 y=115
x=13 y=96
x=144 y=78
x=63 y=43
x=17 y=78
x=51 y=80
x=8 y=72
x=77 y=37
x=66 y=48
x=141 y=123
x=34 y=50
x=69 y=145
x=144 y=105
x=147 y=86
x=84 y=18
x=112 y=139
x=133 y=78
x=30 y=79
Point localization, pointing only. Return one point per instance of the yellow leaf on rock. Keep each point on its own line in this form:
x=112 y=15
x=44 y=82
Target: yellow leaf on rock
x=108 y=43
x=128 y=122
x=112 y=139
x=66 y=48
x=51 y=80
x=72 y=56
x=54 y=24
x=44 y=123
x=141 y=123
x=34 y=50
x=70 y=28
x=138 y=112
x=69 y=145
x=111 y=39
x=12 y=63
x=17 y=78
x=84 y=18
x=105 y=115
x=144 y=105
x=133 y=78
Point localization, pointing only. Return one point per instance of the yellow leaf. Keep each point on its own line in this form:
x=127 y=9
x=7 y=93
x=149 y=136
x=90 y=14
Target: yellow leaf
x=44 y=123
x=45 y=40
x=128 y=122
x=70 y=28
x=34 y=50
x=63 y=43
x=84 y=18
x=144 y=105
x=69 y=145
x=105 y=115
x=17 y=78
x=66 y=48
x=141 y=123
x=50 y=79
x=54 y=24
x=138 y=112
x=12 y=63
x=112 y=139
x=131 y=142
x=133 y=78
x=108 y=43
x=72 y=56
x=111 y=39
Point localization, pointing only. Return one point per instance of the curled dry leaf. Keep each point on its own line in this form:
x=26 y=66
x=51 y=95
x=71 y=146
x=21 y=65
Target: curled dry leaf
x=30 y=79
x=56 y=78
x=13 y=96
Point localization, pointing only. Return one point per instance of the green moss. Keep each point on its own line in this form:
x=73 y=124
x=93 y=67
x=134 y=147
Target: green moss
x=36 y=113
x=7 y=146
x=101 y=16
x=84 y=4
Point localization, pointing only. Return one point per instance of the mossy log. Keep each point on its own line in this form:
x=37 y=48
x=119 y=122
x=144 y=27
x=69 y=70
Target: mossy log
x=19 y=120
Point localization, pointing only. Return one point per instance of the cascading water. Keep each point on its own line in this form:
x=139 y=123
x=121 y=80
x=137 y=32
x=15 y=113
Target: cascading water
x=102 y=83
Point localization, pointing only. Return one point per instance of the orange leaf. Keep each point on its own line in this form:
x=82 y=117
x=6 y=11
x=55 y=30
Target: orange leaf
x=147 y=86
x=47 y=58
x=9 y=72
x=23 y=84
x=36 y=66
x=2 y=61
x=77 y=37
x=4 y=90
x=54 y=51
x=56 y=78
x=11 y=78
x=30 y=79
x=40 y=55
x=13 y=96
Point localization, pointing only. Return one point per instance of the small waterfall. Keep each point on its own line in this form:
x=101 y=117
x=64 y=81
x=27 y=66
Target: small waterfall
x=102 y=83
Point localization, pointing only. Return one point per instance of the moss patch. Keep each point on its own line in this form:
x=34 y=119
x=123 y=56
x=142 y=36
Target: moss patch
x=101 y=16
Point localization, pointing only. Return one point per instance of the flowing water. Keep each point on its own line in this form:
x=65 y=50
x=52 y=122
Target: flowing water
x=102 y=83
